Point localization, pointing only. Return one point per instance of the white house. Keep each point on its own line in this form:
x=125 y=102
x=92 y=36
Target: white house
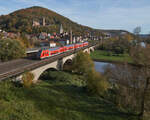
x=52 y=44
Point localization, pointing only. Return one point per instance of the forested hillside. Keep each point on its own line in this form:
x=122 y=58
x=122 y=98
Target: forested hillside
x=22 y=21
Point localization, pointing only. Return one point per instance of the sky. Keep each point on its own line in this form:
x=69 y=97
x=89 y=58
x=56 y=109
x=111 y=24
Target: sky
x=99 y=14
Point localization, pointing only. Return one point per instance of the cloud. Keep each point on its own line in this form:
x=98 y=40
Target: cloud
x=4 y=10
x=123 y=18
x=120 y=17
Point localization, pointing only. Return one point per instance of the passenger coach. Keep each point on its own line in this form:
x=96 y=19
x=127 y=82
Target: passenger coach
x=48 y=52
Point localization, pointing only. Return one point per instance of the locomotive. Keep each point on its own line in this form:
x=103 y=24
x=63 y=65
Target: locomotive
x=48 y=52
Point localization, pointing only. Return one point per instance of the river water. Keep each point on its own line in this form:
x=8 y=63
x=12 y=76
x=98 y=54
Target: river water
x=100 y=66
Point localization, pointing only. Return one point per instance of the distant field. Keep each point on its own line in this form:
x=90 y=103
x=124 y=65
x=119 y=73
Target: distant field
x=61 y=98
x=108 y=56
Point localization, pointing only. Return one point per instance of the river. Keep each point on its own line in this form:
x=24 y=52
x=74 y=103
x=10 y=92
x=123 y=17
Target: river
x=99 y=66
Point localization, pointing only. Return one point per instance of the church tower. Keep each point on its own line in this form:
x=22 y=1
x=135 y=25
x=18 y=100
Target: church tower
x=71 y=36
x=44 y=23
x=61 y=29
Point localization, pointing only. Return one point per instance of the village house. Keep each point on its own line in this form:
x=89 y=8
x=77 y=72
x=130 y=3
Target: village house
x=43 y=36
x=47 y=43
x=35 y=23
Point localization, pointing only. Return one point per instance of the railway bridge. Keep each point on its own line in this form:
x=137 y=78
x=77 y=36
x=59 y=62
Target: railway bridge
x=16 y=68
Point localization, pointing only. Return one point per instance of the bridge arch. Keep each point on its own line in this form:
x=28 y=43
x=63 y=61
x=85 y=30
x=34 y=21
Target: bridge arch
x=67 y=66
x=68 y=58
x=58 y=65
x=45 y=74
x=38 y=72
x=91 y=49
x=67 y=61
x=86 y=51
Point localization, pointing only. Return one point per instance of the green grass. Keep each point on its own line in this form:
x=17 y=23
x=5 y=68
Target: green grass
x=108 y=56
x=56 y=99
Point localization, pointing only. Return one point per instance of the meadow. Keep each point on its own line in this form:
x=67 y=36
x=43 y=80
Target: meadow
x=62 y=96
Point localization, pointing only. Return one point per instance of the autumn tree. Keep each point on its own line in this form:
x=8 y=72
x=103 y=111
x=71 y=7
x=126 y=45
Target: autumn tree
x=116 y=45
x=96 y=83
x=1 y=35
x=27 y=79
x=26 y=42
x=11 y=49
x=132 y=83
x=141 y=57
x=126 y=86
x=82 y=63
x=128 y=37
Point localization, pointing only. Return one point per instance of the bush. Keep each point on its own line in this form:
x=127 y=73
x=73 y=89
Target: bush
x=27 y=79
x=96 y=83
x=109 y=53
x=11 y=49
x=117 y=46
x=63 y=77
x=82 y=63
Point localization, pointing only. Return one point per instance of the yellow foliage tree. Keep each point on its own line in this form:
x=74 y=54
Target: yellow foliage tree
x=82 y=63
x=27 y=79
x=96 y=83
x=129 y=37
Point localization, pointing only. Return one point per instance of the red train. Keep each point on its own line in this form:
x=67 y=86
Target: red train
x=48 y=52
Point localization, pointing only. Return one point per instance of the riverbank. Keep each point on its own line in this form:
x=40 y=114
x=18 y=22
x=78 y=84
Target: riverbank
x=61 y=97
x=104 y=56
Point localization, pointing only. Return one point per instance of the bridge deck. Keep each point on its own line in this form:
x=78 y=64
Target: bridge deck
x=15 y=64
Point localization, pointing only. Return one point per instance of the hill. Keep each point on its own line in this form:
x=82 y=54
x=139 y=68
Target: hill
x=22 y=21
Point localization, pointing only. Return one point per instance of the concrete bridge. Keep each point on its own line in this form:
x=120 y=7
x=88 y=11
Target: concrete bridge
x=37 y=67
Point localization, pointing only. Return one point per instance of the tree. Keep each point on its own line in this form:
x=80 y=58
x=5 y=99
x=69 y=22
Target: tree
x=1 y=35
x=82 y=63
x=25 y=41
x=132 y=83
x=128 y=37
x=96 y=83
x=27 y=79
x=11 y=49
x=127 y=86
x=141 y=57
x=118 y=45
